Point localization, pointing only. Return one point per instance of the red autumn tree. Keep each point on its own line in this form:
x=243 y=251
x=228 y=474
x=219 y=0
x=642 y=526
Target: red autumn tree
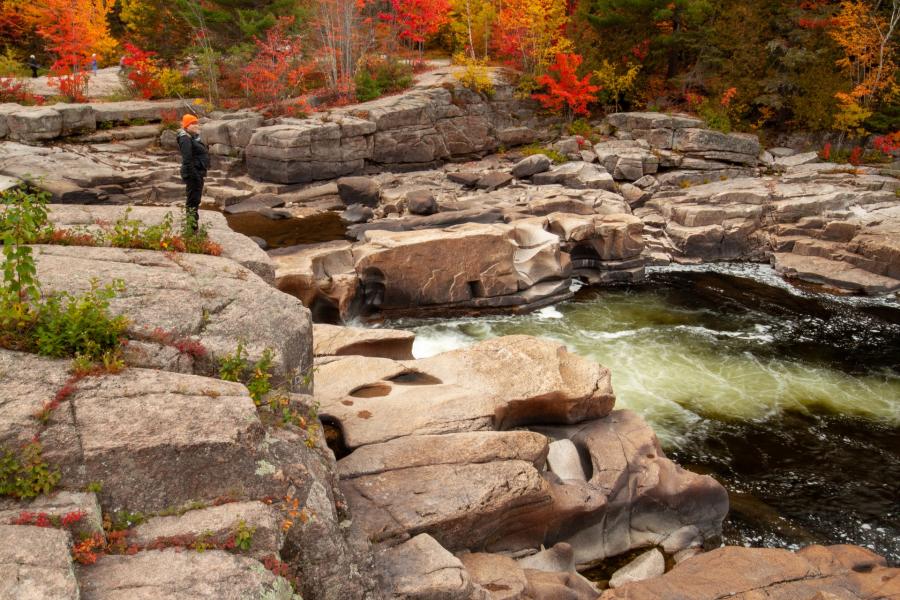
x=143 y=73
x=566 y=92
x=417 y=20
x=277 y=70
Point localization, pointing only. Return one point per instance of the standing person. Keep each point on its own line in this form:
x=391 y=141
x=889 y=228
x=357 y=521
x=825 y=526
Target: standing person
x=33 y=64
x=194 y=165
x=94 y=64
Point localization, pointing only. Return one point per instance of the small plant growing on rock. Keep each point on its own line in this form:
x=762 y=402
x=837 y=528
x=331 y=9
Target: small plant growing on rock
x=235 y=367
x=24 y=474
x=243 y=536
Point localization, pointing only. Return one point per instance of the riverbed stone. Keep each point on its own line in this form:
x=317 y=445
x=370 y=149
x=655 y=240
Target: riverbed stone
x=359 y=190
x=577 y=175
x=648 y=565
x=750 y=573
x=421 y=202
x=447 y=449
x=563 y=459
x=420 y=569
x=643 y=496
x=333 y=340
x=210 y=575
x=531 y=165
x=322 y=275
x=36 y=564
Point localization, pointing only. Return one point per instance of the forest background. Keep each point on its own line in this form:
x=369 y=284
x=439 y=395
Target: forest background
x=782 y=65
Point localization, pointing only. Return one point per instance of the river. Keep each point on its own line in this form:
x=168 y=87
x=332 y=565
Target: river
x=790 y=398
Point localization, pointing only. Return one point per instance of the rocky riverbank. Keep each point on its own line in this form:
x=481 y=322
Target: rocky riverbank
x=493 y=472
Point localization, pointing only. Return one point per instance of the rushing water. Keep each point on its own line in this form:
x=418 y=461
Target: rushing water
x=791 y=399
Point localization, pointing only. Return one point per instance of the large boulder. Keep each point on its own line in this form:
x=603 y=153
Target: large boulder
x=463 y=390
x=531 y=165
x=735 y=147
x=359 y=190
x=70 y=176
x=418 y=268
x=646 y=498
x=749 y=573
x=34 y=124
x=35 y=563
x=421 y=569
x=210 y=301
x=578 y=175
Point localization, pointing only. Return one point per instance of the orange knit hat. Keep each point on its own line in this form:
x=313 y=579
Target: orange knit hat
x=186 y=120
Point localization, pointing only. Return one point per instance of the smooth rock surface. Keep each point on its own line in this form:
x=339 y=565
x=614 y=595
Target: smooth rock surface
x=35 y=564
x=648 y=565
x=849 y=572
x=210 y=575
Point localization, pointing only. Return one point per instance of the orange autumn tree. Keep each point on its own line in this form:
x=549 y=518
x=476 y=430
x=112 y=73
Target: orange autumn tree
x=865 y=36
x=529 y=33
x=73 y=30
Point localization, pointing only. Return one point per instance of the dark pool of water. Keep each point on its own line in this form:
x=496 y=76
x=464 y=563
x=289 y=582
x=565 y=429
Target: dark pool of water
x=279 y=233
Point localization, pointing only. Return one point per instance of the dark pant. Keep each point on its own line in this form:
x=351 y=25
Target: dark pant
x=192 y=206
x=33 y=72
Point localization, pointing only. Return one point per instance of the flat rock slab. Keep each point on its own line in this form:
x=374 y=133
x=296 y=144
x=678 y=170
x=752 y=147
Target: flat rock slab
x=207 y=299
x=848 y=572
x=235 y=246
x=461 y=506
x=332 y=340
x=67 y=174
x=156 y=439
x=448 y=449
x=35 y=564
x=218 y=524
x=376 y=400
x=210 y=575
x=816 y=269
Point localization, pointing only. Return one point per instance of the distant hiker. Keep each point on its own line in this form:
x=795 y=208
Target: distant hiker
x=33 y=64
x=94 y=64
x=194 y=165
x=122 y=65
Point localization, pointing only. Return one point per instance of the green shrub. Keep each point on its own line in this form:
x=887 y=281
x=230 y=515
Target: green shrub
x=24 y=474
x=366 y=88
x=70 y=325
x=377 y=77
x=550 y=153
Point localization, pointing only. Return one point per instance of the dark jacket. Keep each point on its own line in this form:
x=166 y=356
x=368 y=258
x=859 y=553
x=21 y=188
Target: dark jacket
x=194 y=156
